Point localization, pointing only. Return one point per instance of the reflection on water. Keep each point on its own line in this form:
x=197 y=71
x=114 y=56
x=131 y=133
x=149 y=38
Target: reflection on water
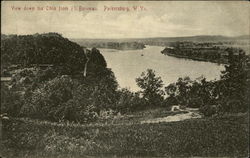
x=127 y=65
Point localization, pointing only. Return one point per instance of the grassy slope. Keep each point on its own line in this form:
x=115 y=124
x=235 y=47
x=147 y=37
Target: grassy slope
x=227 y=136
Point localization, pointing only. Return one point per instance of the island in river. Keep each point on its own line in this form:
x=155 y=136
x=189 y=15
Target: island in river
x=132 y=45
x=212 y=52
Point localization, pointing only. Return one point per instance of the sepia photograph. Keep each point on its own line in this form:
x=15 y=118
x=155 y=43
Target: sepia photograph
x=125 y=79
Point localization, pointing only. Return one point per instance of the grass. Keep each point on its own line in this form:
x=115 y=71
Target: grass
x=213 y=137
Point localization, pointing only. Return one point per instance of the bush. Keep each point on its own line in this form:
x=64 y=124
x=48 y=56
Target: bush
x=58 y=100
x=209 y=110
x=11 y=101
x=130 y=102
x=46 y=100
x=195 y=102
x=64 y=98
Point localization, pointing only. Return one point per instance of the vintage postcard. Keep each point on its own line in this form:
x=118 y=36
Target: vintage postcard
x=125 y=79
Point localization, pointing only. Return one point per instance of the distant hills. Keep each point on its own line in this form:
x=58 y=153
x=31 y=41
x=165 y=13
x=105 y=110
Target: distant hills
x=161 y=41
x=129 y=45
x=201 y=38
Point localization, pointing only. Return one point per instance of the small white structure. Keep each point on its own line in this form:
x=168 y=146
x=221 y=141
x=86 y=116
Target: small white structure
x=175 y=107
x=5 y=79
x=190 y=113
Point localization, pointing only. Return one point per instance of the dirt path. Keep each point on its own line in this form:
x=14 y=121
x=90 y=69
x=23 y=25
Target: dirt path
x=191 y=114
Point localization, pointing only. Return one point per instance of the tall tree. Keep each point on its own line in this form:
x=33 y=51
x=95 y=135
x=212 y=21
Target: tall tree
x=234 y=81
x=151 y=86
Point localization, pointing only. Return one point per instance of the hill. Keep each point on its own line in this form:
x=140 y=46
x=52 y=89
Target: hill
x=49 y=48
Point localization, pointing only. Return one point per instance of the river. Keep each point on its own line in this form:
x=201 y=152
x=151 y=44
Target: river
x=129 y=64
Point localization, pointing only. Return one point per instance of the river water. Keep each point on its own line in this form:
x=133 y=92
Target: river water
x=128 y=65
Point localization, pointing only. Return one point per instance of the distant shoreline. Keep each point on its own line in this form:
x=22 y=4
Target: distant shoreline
x=120 y=48
x=194 y=58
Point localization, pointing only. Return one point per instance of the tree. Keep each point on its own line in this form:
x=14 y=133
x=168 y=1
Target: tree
x=192 y=93
x=151 y=86
x=234 y=82
x=171 y=91
x=183 y=89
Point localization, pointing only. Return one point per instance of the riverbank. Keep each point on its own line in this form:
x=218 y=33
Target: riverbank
x=213 y=137
x=195 y=58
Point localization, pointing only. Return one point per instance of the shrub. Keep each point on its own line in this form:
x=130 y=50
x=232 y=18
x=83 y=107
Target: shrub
x=107 y=114
x=11 y=101
x=59 y=99
x=209 y=110
x=130 y=102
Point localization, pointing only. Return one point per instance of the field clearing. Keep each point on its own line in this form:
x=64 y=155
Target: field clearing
x=224 y=136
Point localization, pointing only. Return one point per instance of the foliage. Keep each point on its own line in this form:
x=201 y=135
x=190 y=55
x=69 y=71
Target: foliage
x=130 y=102
x=47 y=99
x=50 y=48
x=102 y=86
x=57 y=100
x=97 y=58
x=191 y=93
x=151 y=86
x=209 y=110
x=64 y=98
x=11 y=101
x=233 y=84
x=45 y=91
x=226 y=95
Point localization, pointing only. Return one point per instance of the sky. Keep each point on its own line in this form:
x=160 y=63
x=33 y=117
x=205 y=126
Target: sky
x=150 y=19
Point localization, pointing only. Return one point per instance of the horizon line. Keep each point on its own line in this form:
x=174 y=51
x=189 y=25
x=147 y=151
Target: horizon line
x=133 y=37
